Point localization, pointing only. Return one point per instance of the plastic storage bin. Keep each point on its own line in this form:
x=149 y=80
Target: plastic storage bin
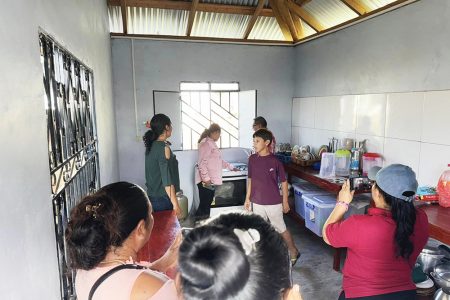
x=370 y=160
x=359 y=205
x=317 y=210
x=342 y=162
x=304 y=188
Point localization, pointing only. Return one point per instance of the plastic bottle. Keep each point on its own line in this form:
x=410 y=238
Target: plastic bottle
x=443 y=188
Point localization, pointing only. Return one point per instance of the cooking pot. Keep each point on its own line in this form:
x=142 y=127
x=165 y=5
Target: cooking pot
x=431 y=255
x=441 y=276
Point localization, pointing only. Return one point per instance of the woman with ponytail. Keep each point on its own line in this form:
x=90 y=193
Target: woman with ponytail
x=209 y=169
x=104 y=234
x=382 y=246
x=236 y=256
x=161 y=166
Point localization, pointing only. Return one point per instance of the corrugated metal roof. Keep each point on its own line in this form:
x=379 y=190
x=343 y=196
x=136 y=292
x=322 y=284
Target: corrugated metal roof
x=142 y=20
x=374 y=4
x=266 y=28
x=155 y=21
x=329 y=12
x=115 y=19
x=219 y=25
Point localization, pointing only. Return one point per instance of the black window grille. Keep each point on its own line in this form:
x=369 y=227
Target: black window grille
x=72 y=141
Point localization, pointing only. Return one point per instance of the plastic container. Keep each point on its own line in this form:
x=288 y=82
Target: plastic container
x=304 y=188
x=327 y=167
x=342 y=162
x=317 y=210
x=359 y=205
x=370 y=160
x=183 y=202
x=443 y=188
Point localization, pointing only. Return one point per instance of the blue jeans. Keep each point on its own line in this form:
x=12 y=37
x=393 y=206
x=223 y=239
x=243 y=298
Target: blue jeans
x=161 y=203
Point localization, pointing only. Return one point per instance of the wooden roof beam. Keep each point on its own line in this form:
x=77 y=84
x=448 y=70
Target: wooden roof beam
x=357 y=6
x=123 y=8
x=191 y=17
x=204 y=7
x=298 y=26
x=305 y=16
x=280 y=20
x=253 y=19
x=286 y=15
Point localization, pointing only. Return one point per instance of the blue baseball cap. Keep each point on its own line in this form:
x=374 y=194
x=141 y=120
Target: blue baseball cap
x=397 y=180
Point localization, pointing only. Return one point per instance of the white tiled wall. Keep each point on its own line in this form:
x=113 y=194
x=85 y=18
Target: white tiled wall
x=409 y=128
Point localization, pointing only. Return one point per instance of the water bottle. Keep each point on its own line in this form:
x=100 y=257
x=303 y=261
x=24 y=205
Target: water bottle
x=443 y=188
x=354 y=161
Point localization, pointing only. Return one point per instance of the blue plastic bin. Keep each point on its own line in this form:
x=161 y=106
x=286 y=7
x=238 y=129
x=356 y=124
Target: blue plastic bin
x=304 y=188
x=317 y=210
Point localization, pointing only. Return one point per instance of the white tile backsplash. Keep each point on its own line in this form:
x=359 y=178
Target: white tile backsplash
x=402 y=152
x=371 y=114
x=307 y=111
x=433 y=161
x=436 y=117
x=408 y=128
x=404 y=115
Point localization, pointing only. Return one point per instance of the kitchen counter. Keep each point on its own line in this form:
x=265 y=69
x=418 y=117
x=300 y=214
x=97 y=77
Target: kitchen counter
x=165 y=229
x=438 y=216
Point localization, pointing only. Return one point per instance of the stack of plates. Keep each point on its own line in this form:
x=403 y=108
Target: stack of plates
x=425 y=288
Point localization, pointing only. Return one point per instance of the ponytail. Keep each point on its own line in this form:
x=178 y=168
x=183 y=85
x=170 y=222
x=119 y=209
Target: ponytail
x=158 y=125
x=404 y=215
x=214 y=127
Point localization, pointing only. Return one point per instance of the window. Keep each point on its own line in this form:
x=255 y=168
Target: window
x=204 y=103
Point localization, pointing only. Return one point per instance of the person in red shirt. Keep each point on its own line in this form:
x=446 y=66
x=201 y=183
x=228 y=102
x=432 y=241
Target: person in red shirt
x=382 y=246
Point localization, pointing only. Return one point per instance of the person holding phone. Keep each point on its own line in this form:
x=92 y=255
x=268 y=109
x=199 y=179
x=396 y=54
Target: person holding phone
x=382 y=246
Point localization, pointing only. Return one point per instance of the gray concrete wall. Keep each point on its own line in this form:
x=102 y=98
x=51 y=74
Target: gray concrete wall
x=401 y=51
x=162 y=65
x=27 y=233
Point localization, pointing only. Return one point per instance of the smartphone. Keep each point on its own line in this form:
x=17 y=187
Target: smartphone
x=360 y=183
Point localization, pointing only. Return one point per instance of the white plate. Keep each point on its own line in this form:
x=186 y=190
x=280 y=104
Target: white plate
x=425 y=284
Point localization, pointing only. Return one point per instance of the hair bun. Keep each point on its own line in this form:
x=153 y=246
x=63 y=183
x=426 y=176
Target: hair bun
x=212 y=257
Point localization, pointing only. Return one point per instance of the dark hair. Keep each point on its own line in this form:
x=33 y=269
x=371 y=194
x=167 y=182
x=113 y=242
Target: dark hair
x=404 y=215
x=260 y=121
x=213 y=264
x=207 y=132
x=265 y=134
x=157 y=126
x=103 y=220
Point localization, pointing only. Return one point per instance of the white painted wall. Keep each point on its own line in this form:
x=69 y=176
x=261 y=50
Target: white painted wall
x=162 y=65
x=378 y=80
x=28 y=260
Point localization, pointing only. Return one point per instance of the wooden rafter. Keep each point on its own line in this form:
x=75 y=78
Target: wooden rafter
x=286 y=15
x=357 y=6
x=298 y=26
x=253 y=19
x=302 y=2
x=280 y=20
x=204 y=7
x=191 y=17
x=305 y=16
x=123 y=8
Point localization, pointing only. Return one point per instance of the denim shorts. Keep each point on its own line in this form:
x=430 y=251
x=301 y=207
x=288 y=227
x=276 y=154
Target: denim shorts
x=161 y=203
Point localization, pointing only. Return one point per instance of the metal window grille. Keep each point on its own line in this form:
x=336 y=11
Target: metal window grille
x=72 y=142
x=201 y=105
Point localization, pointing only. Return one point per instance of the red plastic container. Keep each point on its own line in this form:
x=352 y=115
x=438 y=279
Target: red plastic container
x=443 y=188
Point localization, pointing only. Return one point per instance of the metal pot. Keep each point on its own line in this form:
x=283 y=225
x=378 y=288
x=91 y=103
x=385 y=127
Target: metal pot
x=440 y=295
x=431 y=255
x=441 y=276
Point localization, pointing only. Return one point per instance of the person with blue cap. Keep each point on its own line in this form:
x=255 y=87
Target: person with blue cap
x=383 y=245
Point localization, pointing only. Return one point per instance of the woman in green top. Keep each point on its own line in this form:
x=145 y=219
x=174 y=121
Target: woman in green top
x=161 y=166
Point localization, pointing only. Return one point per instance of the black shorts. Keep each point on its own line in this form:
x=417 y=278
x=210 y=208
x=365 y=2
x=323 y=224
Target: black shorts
x=403 y=295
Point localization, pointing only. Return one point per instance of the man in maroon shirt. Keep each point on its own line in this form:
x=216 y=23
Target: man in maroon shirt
x=264 y=173
x=382 y=246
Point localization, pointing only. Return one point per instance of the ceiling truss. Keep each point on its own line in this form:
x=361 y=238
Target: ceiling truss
x=289 y=14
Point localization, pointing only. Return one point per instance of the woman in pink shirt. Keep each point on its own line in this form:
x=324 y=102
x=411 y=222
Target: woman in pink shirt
x=105 y=232
x=209 y=169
